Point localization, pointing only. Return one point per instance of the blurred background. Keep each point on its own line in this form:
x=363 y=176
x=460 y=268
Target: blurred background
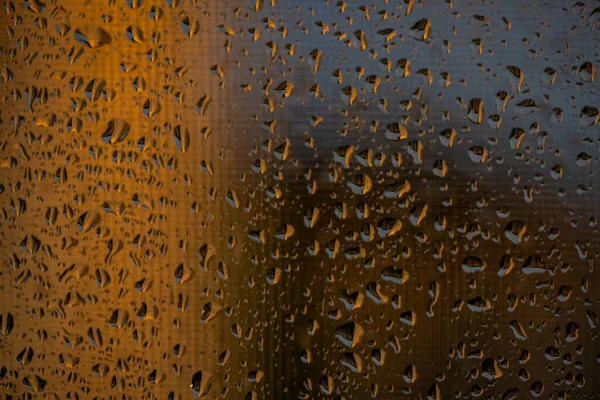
x=298 y=199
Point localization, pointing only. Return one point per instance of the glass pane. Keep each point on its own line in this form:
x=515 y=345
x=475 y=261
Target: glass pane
x=261 y=199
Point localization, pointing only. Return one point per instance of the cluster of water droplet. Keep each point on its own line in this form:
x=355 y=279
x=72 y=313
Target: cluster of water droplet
x=298 y=199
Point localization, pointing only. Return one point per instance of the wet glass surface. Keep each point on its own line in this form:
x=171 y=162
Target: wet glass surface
x=299 y=199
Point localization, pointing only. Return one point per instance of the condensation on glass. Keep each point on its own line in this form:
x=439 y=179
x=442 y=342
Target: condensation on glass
x=299 y=199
